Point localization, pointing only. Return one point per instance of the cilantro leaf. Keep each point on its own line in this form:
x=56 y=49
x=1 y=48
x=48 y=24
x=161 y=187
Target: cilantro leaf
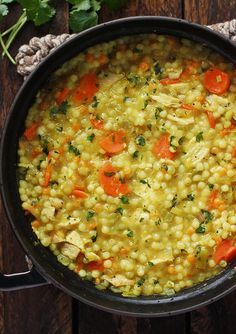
x=81 y=19
x=3 y=11
x=80 y=4
x=38 y=11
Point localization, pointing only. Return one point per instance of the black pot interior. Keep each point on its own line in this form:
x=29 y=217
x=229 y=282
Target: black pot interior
x=44 y=260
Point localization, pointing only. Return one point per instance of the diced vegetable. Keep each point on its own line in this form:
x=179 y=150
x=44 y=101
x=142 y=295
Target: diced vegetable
x=62 y=95
x=211 y=119
x=111 y=184
x=161 y=148
x=97 y=123
x=216 y=81
x=87 y=88
x=225 y=250
x=30 y=132
x=115 y=142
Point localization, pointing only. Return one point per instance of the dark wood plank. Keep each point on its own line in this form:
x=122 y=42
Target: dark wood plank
x=145 y=7
x=92 y=321
x=219 y=317
x=209 y=11
x=39 y=310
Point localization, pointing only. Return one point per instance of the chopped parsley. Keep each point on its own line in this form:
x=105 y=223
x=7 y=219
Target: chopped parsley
x=181 y=140
x=158 y=70
x=61 y=109
x=130 y=234
x=145 y=182
x=150 y=263
x=91 y=137
x=135 y=154
x=208 y=216
x=149 y=126
x=95 y=102
x=94 y=237
x=73 y=149
x=120 y=211
x=137 y=50
x=140 y=140
x=165 y=167
x=190 y=197
x=140 y=281
x=174 y=201
x=211 y=186
x=158 y=222
x=90 y=215
x=199 y=137
x=134 y=79
x=126 y=98
x=157 y=112
x=172 y=138
x=59 y=129
x=201 y=228
x=124 y=199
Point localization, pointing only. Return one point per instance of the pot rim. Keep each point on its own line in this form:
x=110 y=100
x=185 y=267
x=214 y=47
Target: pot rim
x=187 y=300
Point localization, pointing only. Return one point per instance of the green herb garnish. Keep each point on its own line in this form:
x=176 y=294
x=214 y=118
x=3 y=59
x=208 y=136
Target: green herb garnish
x=91 y=137
x=61 y=109
x=120 y=211
x=135 y=154
x=140 y=140
x=73 y=149
x=124 y=199
x=145 y=182
x=130 y=234
x=190 y=197
x=90 y=215
x=199 y=137
x=140 y=281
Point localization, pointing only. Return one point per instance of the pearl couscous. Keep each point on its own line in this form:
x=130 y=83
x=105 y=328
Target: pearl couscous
x=128 y=164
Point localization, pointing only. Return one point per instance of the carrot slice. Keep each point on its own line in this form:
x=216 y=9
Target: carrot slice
x=144 y=66
x=212 y=200
x=47 y=175
x=79 y=193
x=114 y=142
x=87 y=88
x=62 y=95
x=211 y=119
x=110 y=183
x=31 y=131
x=168 y=81
x=225 y=250
x=216 y=81
x=97 y=123
x=95 y=265
x=161 y=148
x=234 y=152
x=227 y=131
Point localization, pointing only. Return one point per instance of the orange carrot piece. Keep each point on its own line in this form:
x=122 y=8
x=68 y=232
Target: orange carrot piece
x=191 y=259
x=228 y=130
x=115 y=142
x=211 y=119
x=212 y=203
x=87 y=88
x=225 y=250
x=103 y=59
x=110 y=183
x=97 y=123
x=144 y=66
x=31 y=131
x=216 y=81
x=161 y=148
x=234 y=152
x=95 y=265
x=47 y=175
x=79 y=193
x=168 y=81
x=36 y=224
x=62 y=95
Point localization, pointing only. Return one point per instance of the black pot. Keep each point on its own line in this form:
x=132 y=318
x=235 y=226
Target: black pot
x=46 y=269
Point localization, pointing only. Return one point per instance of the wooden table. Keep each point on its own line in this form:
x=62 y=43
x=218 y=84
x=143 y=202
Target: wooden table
x=47 y=310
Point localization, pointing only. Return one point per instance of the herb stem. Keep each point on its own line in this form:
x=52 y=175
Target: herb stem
x=20 y=23
x=6 y=51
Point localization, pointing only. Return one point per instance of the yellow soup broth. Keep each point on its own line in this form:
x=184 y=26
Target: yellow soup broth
x=128 y=164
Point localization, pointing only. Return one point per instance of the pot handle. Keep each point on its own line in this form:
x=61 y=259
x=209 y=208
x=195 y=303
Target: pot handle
x=17 y=281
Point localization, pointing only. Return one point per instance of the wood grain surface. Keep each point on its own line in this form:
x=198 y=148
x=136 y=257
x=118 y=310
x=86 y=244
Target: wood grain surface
x=47 y=310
